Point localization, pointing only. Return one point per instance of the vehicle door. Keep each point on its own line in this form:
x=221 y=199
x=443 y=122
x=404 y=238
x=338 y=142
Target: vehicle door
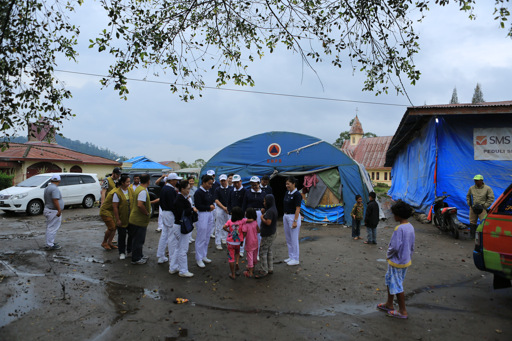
x=71 y=189
x=497 y=236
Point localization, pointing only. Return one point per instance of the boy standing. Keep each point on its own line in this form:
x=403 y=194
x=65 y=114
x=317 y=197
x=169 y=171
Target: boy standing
x=371 y=220
x=401 y=247
x=357 y=216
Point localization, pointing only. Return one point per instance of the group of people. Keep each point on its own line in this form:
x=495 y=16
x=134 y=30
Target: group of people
x=244 y=220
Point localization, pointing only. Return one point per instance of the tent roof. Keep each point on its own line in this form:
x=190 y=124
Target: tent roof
x=142 y=162
x=415 y=118
x=294 y=153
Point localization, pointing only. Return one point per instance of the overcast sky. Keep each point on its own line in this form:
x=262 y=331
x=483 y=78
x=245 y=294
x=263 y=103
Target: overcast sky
x=455 y=52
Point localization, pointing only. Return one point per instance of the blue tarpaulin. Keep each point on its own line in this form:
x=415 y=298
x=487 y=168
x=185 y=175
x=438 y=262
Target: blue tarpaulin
x=322 y=214
x=285 y=153
x=416 y=179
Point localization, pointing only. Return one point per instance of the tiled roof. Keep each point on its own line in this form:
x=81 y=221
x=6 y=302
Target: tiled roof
x=370 y=152
x=356 y=127
x=50 y=152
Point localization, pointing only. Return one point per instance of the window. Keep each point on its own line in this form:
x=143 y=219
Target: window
x=353 y=140
x=87 y=179
x=68 y=180
x=385 y=175
x=505 y=208
x=373 y=175
x=378 y=175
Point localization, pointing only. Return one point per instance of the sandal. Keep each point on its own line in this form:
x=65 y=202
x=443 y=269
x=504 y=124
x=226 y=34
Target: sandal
x=270 y=272
x=260 y=274
x=366 y=242
x=232 y=277
x=396 y=313
x=382 y=306
x=248 y=275
x=112 y=246
x=106 y=246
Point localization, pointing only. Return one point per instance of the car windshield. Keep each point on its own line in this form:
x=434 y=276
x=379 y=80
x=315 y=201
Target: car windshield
x=34 y=181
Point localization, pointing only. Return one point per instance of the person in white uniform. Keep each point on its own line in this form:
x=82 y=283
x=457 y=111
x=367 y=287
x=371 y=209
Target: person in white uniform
x=203 y=200
x=221 y=196
x=53 y=205
x=182 y=207
x=167 y=197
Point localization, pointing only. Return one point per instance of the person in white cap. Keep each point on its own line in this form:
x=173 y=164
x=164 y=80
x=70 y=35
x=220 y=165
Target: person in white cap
x=221 y=211
x=168 y=195
x=53 y=205
x=203 y=201
x=254 y=198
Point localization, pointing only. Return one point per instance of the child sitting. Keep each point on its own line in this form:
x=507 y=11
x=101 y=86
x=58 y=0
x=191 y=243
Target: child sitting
x=250 y=230
x=401 y=247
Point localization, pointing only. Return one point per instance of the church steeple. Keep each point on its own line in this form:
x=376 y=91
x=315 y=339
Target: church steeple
x=356 y=132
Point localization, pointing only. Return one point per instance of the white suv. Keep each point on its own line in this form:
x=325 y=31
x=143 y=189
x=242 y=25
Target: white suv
x=28 y=195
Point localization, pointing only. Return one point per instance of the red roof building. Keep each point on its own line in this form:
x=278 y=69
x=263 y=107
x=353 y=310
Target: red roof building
x=24 y=160
x=369 y=151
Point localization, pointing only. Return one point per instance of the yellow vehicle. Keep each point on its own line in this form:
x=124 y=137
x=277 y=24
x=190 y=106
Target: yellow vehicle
x=493 y=241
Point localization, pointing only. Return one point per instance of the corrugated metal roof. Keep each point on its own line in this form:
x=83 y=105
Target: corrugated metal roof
x=51 y=152
x=370 y=152
x=416 y=117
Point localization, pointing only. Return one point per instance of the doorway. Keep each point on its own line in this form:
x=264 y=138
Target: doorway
x=278 y=184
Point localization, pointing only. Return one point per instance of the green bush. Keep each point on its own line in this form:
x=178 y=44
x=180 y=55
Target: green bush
x=5 y=180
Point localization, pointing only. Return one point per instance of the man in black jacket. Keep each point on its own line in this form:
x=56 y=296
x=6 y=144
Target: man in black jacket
x=371 y=219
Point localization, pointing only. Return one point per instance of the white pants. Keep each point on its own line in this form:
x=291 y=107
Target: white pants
x=292 y=236
x=221 y=219
x=180 y=242
x=52 y=225
x=167 y=218
x=204 y=230
x=160 y=219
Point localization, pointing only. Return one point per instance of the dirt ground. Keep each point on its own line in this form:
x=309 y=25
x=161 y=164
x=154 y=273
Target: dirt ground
x=82 y=292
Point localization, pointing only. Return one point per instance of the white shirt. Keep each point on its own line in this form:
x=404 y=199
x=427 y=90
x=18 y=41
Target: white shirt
x=115 y=198
x=142 y=195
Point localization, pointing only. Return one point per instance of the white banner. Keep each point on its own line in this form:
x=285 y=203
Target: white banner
x=492 y=143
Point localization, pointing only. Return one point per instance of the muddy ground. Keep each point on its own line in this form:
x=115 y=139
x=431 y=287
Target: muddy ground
x=82 y=292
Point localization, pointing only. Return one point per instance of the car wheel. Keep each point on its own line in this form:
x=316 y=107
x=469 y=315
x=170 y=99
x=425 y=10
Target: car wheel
x=35 y=207
x=88 y=201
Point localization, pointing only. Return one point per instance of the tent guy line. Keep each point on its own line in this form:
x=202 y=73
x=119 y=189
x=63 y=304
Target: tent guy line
x=239 y=90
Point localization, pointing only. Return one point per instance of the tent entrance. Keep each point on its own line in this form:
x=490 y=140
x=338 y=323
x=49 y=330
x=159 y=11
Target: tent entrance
x=278 y=184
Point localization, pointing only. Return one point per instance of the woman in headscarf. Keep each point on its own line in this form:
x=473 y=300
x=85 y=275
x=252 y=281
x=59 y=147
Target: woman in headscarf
x=268 y=235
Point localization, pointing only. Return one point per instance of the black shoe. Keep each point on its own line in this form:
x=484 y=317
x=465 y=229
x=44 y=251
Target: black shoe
x=374 y=242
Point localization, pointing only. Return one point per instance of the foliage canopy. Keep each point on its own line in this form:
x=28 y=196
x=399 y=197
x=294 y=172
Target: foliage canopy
x=185 y=38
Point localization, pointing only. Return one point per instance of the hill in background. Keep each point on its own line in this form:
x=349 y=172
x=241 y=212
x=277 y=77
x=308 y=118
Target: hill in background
x=87 y=147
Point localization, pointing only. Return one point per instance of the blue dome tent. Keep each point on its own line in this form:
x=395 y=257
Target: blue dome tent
x=280 y=154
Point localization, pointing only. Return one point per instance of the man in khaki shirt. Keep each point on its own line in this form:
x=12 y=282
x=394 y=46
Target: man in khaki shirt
x=479 y=198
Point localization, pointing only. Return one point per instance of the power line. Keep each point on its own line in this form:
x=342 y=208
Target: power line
x=240 y=90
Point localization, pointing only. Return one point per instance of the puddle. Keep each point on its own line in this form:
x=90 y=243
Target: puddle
x=308 y=239
x=151 y=294
x=19 y=304
x=313 y=228
x=18 y=272
x=82 y=277
x=342 y=308
x=381 y=260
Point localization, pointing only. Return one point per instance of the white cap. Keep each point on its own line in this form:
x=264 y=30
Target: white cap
x=254 y=179
x=173 y=176
x=210 y=172
x=223 y=177
x=237 y=177
x=55 y=177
